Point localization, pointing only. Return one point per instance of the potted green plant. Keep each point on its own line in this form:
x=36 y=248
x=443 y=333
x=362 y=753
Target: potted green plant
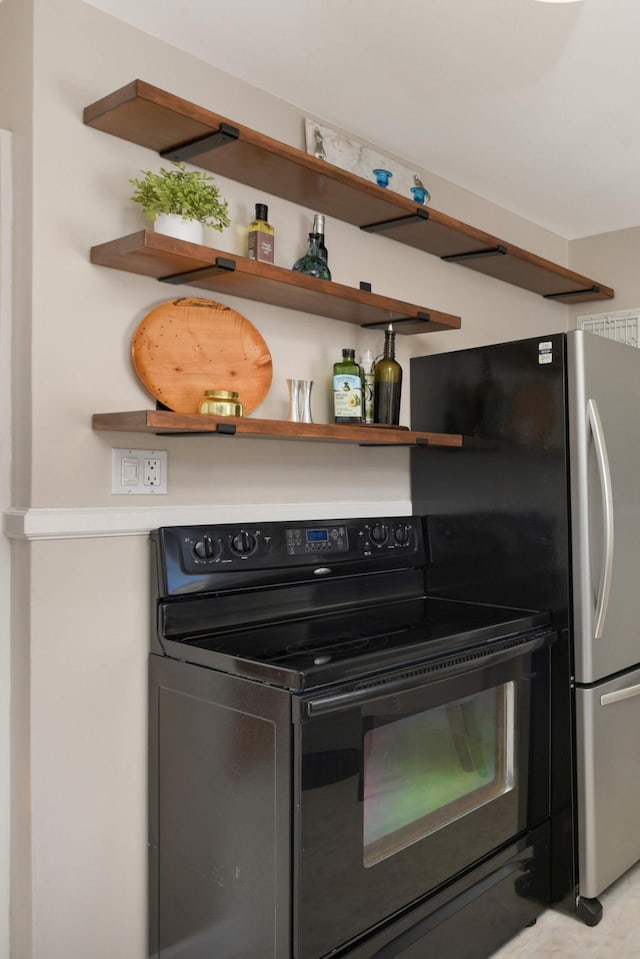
x=181 y=202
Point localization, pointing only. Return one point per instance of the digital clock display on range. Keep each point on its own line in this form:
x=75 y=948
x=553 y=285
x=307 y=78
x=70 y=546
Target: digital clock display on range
x=317 y=535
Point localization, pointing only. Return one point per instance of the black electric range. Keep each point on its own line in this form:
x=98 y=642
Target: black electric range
x=305 y=604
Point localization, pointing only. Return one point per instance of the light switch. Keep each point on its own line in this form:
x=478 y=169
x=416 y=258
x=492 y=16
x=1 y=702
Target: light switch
x=130 y=471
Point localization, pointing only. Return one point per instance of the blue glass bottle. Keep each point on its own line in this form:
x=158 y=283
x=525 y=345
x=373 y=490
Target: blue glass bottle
x=419 y=191
x=382 y=177
x=420 y=194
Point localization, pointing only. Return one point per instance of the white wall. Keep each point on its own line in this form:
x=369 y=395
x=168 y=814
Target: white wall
x=84 y=316
x=616 y=256
x=16 y=89
x=82 y=595
x=6 y=247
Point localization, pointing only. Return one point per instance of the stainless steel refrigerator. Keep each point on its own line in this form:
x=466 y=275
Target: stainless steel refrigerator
x=541 y=508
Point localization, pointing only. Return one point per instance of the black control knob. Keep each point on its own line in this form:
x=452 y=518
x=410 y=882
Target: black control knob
x=379 y=534
x=401 y=535
x=243 y=543
x=205 y=548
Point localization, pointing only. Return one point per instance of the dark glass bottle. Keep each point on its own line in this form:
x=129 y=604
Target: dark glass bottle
x=387 y=382
x=312 y=263
x=318 y=229
x=347 y=389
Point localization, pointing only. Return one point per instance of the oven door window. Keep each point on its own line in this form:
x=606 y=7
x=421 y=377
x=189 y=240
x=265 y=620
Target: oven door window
x=427 y=770
x=397 y=794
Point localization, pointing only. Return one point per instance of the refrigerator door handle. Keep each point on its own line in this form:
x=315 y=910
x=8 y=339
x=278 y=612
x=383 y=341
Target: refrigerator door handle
x=620 y=694
x=602 y=459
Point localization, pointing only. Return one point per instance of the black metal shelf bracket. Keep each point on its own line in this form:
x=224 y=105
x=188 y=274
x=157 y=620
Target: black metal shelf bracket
x=385 y=225
x=398 y=321
x=420 y=317
x=227 y=429
x=222 y=263
x=561 y=296
x=211 y=141
x=475 y=254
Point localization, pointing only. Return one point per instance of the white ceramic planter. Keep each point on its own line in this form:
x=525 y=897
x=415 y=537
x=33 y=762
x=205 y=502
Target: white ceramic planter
x=171 y=224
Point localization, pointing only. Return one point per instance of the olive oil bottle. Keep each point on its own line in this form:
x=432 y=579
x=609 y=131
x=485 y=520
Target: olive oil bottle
x=347 y=389
x=387 y=382
x=261 y=236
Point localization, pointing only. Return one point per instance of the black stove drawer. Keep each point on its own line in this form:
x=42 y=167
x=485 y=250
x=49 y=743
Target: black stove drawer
x=473 y=917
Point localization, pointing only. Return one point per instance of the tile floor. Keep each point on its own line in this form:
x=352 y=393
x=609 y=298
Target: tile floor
x=558 y=936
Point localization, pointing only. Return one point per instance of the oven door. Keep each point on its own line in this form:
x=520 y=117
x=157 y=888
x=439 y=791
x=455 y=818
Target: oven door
x=402 y=783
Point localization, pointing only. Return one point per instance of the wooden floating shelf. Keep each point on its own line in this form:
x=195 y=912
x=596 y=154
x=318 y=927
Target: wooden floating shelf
x=177 y=262
x=181 y=130
x=166 y=422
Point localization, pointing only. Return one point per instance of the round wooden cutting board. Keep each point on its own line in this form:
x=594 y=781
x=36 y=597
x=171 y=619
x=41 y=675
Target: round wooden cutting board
x=184 y=347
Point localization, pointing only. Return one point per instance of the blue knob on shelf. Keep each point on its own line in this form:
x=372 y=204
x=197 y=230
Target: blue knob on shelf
x=382 y=177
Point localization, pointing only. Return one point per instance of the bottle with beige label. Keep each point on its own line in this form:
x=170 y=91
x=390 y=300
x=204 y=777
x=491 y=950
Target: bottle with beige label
x=261 y=236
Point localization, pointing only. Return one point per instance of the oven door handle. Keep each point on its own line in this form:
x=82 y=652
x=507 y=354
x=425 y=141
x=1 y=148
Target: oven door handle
x=423 y=675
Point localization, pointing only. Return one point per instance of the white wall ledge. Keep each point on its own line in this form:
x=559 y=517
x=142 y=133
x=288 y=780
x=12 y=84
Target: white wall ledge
x=82 y=523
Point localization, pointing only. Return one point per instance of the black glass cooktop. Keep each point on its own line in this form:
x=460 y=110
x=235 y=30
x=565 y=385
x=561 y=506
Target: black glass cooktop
x=316 y=650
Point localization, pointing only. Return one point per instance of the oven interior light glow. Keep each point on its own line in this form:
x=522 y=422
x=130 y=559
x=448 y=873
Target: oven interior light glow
x=427 y=770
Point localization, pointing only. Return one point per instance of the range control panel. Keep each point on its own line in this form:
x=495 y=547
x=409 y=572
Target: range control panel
x=320 y=539
x=189 y=551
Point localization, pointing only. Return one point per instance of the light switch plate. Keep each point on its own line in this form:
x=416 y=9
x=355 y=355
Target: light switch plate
x=139 y=472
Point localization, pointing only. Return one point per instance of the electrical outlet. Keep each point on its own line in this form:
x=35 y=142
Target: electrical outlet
x=139 y=472
x=151 y=471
